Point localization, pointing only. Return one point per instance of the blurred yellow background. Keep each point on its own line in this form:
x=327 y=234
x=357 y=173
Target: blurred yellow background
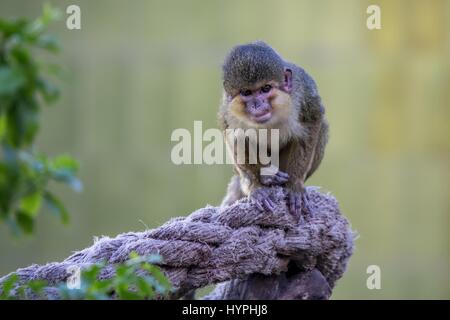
x=137 y=70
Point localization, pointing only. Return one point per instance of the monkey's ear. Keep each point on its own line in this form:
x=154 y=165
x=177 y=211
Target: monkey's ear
x=287 y=85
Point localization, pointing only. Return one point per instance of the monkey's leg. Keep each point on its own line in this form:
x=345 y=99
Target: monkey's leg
x=249 y=182
x=234 y=191
x=317 y=140
x=300 y=158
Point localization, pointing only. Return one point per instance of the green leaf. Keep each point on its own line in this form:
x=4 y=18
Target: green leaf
x=56 y=206
x=26 y=223
x=102 y=285
x=37 y=285
x=90 y=274
x=65 y=162
x=35 y=28
x=31 y=203
x=3 y=126
x=49 y=92
x=156 y=272
x=145 y=288
x=30 y=125
x=134 y=255
x=11 y=80
x=48 y=42
x=63 y=168
x=124 y=293
x=11 y=27
x=50 y=13
x=24 y=58
x=22 y=123
x=8 y=284
x=20 y=294
x=122 y=271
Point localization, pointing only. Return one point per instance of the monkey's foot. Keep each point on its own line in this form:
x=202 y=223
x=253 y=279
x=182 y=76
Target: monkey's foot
x=261 y=197
x=305 y=201
x=294 y=201
x=298 y=204
x=274 y=180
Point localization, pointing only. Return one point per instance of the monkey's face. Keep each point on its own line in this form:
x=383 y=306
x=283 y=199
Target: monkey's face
x=263 y=104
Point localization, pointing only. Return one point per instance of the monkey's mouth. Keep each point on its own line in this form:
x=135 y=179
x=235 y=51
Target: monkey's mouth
x=262 y=117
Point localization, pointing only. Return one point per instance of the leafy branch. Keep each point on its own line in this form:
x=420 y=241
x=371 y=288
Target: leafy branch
x=24 y=89
x=136 y=279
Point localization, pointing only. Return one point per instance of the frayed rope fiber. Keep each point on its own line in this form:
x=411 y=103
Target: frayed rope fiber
x=218 y=244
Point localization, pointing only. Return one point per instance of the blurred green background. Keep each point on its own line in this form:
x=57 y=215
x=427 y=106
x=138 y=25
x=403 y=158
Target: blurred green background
x=137 y=70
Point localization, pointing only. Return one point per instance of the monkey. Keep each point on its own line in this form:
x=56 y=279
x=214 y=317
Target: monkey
x=263 y=91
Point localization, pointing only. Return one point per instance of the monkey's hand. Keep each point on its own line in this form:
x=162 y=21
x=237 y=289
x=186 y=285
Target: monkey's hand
x=262 y=198
x=277 y=179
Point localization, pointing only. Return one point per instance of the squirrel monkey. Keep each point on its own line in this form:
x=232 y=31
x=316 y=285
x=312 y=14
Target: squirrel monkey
x=263 y=91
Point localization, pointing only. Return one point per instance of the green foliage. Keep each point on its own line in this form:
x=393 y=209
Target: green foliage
x=136 y=279
x=24 y=89
x=34 y=287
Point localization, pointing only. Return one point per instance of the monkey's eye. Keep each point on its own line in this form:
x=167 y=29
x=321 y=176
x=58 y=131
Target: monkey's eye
x=246 y=93
x=266 y=88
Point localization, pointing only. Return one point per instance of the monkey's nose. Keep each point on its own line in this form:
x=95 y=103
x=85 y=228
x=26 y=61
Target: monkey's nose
x=260 y=104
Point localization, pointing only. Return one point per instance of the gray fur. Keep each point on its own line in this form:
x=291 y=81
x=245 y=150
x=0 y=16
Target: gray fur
x=248 y=64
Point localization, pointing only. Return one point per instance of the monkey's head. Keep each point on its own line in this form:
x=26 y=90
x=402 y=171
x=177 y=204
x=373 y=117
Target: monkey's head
x=257 y=85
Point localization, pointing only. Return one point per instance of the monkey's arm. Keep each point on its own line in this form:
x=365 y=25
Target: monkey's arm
x=306 y=152
x=234 y=191
x=319 y=149
x=302 y=157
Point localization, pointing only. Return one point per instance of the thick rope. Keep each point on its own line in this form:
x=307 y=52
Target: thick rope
x=217 y=244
